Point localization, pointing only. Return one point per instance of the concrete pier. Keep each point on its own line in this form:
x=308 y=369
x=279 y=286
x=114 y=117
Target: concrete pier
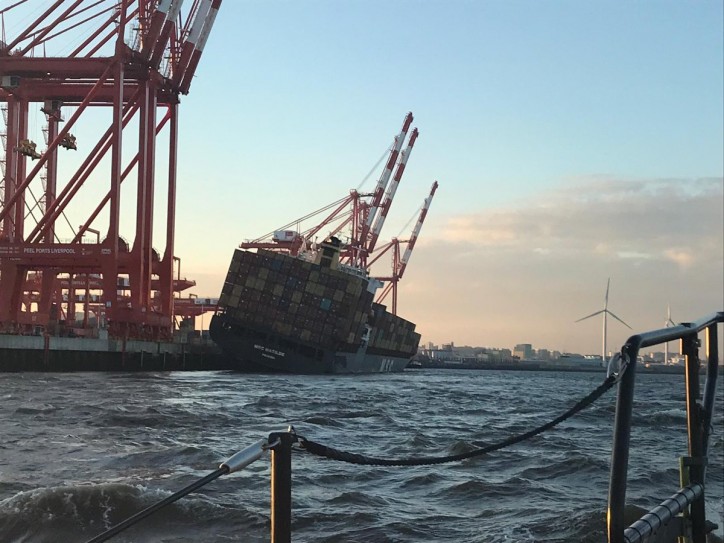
x=39 y=353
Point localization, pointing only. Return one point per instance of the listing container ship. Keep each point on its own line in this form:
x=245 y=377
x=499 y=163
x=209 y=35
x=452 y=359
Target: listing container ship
x=287 y=314
x=290 y=304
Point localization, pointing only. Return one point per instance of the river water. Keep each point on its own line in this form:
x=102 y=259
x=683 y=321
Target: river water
x=81 y=452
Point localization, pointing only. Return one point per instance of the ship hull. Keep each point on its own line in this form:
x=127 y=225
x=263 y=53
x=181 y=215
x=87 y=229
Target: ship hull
x=256 y=355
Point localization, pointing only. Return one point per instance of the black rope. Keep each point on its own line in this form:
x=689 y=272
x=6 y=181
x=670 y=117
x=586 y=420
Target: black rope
x=130 y=521
x=352 y=458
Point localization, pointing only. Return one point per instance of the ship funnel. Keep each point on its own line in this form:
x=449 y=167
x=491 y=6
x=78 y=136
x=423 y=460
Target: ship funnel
x=328 y=255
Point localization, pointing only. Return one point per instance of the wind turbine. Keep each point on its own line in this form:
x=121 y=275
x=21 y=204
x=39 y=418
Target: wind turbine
x=605 y=312
x=667 y=323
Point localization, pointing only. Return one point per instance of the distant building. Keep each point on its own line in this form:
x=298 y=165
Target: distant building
x=444 y=353
x=656 y=357
x=543 y=354
x=524 y=351
x=449 y=352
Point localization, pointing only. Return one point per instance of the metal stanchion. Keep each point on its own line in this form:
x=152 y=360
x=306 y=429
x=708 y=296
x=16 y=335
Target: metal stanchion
x=690 y=348
x=280 y=444
x=621 y=441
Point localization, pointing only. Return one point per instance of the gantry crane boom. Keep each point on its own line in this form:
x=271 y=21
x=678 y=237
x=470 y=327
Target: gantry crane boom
x=199 y=47
x=159 y=31
x=166 y=33
x=355 y=210
x=399 y=264
x=390 y=194
x=155 y=28
x=187 y=49
x=416 y=231
x=298 y=241
x=382 y=184
x=183 y=70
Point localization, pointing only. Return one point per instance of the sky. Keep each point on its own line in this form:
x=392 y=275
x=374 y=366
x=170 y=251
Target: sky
x=573 y=142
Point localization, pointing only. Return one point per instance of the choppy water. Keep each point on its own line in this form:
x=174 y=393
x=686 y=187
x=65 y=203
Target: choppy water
x=81 y=452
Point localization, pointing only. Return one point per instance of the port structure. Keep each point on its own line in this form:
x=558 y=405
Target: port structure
x=134 y=60
x=399 y=264
x=358 y=219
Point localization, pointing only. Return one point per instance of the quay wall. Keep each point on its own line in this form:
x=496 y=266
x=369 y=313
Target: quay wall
x=38 y=353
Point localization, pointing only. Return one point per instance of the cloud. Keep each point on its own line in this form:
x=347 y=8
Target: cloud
x=524 y=274
x=682 y=257
x=668 y=220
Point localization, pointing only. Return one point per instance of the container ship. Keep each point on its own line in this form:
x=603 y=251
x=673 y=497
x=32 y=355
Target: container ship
x=290 y=304
x=288 y=314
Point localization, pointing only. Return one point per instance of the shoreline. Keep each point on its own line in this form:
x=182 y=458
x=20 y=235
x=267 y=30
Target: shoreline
x=526 y=366
x=39 y=354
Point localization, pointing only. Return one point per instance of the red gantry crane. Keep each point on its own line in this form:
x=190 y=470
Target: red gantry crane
x=357 y=219
x=399 y=264
x=361 y=251
x=133 y=60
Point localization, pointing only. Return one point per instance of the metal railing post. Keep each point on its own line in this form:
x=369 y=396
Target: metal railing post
x=712 y=368
x=281 y=486
x=690 y=349
x=619 y=454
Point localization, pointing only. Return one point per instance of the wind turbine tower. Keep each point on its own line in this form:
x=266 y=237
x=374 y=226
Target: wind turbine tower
x=668 y=323
x=605 y=313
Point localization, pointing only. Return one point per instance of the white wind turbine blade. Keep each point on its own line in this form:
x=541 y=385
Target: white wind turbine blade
x=619 y=320
x=592 y=315
x=605 y=313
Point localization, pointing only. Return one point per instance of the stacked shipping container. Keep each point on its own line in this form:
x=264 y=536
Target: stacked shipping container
x=392 y=335
x=296 y=299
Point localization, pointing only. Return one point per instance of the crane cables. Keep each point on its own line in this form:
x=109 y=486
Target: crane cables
x=377 y=165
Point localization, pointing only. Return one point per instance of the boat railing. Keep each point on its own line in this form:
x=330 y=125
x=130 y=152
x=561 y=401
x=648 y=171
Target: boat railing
x=683 y=514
